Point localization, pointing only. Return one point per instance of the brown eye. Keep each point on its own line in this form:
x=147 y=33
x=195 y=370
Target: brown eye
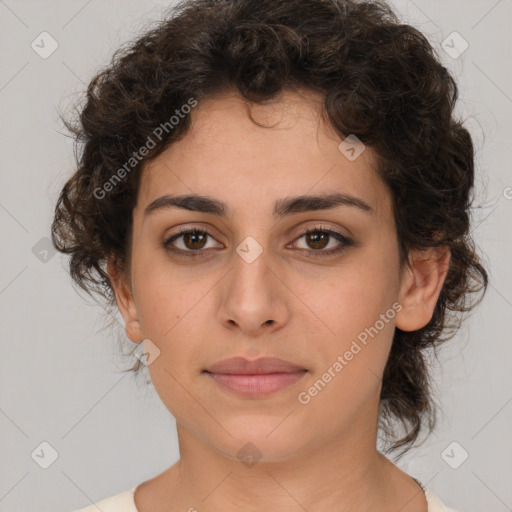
x=194 y=240
x=317 y=239
x=189 y=242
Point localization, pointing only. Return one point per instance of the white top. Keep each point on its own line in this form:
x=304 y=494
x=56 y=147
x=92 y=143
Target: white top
x=124 y=502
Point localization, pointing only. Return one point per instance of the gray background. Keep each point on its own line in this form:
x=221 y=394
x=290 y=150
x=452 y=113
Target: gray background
x=61 y=379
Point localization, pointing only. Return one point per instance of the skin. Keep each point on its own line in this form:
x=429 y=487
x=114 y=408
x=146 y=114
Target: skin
x=320 y=455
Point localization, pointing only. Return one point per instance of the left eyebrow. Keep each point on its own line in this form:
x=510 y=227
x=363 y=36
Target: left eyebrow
x=282 y=207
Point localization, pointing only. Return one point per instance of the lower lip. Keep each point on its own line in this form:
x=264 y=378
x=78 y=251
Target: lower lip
x=254 y=386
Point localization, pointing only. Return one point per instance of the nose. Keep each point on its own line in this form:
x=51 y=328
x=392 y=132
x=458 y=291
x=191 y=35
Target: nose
x=254 y=298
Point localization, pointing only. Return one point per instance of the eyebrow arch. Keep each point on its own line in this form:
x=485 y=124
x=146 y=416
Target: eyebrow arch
x=282 y=207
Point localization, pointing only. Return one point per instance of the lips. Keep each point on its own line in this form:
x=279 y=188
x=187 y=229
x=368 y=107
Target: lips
x=263 y=365
x=257 y=378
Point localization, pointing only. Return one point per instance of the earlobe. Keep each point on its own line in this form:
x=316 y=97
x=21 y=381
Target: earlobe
x=125 y=301
x=420 y=287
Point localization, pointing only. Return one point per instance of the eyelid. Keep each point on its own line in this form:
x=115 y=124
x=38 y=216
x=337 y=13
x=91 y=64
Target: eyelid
x=182 y=230
x=318 y=227
x=344 y=240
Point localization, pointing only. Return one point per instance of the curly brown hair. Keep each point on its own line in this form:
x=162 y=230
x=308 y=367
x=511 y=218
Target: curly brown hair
x=382 y=81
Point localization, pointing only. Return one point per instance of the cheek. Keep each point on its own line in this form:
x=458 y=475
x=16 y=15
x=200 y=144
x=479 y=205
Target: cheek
x=350 y=297
x=356 y=307
x=352 y=359
x=172 y=315
x=166 y=294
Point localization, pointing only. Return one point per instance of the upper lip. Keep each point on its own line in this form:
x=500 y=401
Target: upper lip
x=262 y=365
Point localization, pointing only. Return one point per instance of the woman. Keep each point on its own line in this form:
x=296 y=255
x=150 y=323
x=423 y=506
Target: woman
x=275 y=195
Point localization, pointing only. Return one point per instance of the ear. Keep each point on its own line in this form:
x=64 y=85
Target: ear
x=420 y=287
x=125 y=301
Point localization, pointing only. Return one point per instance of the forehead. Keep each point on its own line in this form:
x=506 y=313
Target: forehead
x=226 y=155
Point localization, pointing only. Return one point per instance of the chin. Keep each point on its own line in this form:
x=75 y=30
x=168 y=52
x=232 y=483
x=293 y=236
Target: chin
x=260 y=439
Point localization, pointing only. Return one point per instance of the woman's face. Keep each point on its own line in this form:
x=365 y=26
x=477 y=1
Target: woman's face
x=260 y=287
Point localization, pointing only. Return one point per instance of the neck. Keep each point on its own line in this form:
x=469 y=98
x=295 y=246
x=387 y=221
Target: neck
x=316 y=480
x=345 y=474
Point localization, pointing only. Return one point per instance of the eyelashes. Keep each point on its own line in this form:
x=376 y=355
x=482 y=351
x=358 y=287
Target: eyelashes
x=198 y=236
x=328 y=233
